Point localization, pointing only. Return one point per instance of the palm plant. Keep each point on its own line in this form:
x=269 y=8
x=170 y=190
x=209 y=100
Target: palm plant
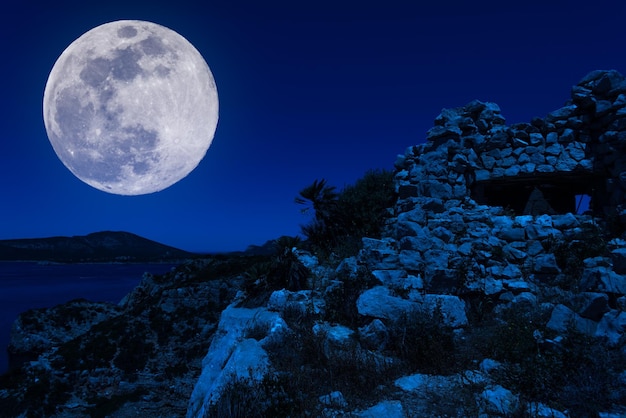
x=342 y=219
x=287 y=270
x=323 y=199
x=321 y=196
x=257 y=273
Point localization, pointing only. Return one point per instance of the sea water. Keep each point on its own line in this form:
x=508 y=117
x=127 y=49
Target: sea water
x=27 y=285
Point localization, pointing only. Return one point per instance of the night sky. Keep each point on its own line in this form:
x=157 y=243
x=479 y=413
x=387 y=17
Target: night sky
x=307 y=90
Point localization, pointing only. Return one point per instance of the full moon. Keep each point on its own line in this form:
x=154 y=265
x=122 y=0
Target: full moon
x=130 y=107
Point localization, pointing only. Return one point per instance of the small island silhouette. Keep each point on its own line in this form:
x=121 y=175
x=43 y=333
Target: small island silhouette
x=105 y=246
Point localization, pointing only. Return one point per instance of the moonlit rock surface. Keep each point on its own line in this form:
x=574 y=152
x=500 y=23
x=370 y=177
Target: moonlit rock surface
x=232 y=356
x=389 y=409
x=130 y=107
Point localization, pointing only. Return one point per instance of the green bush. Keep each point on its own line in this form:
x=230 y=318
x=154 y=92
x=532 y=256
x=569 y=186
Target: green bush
x=423 y=342
x=340 y=299
x=314 y=368
x=283 y=271
x=286 y=269
x=362 y=207
x=36 y=397
x=342 y=219
x=571 y=250
x=115 y=341
x=244 y=398
x=102 y=407
x=511 y=338
x=578 y=374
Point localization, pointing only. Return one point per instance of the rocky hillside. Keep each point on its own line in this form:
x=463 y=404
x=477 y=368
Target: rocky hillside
x=486 y=295
x=142 y=356
x=95 y=247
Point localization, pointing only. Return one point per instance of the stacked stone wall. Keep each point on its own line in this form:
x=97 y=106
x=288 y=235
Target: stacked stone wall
x=578 y=149
x=445 y=242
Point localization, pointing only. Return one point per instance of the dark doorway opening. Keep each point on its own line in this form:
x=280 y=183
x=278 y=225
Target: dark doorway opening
x=557 y=193
x=582 y=203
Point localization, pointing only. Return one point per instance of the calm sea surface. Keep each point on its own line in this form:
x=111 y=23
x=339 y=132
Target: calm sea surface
x=25 y=285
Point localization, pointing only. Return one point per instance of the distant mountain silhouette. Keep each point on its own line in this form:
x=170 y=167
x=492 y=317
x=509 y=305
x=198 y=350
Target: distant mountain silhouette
x=96 y=247
x=268 y=248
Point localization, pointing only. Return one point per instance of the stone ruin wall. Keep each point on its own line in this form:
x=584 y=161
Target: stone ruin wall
x=575 y=150
x=453 y=238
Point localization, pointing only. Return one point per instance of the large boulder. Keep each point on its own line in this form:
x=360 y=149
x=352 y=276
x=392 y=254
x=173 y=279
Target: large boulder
x=378 y=302
x=374 y=336
x=387 y=409
x=603 y=279
x=334 y=337
x=498 y=401
x=236 y=353
x=379 y=254
x=563 y=317
x=450 y=307
x=612 y=326
x=545 y=264
x=592 y=305
x=302 y=301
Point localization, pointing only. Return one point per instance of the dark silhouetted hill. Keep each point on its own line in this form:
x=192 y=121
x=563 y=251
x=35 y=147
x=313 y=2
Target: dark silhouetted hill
x=96 y=247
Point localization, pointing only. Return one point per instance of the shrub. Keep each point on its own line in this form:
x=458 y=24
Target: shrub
x=314 y=368
x=39 y=393
x=115 y=341
x=286 y=269
x=578 y=374
x=341 y=298
x=363 y=206
x=283 y=271
x=571 y=250
x=360 y=210
x=101 y=407
x=423 y=342
x=511 y=337
x=244 y=398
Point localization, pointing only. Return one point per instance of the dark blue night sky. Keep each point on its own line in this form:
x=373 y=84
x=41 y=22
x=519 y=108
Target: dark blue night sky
x=307 y=90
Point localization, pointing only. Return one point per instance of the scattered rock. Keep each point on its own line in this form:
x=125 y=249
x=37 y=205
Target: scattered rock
x=603 y=279
x=612 y=326
x=546 y=264
x=389 y=409
x=379 y=303
x=334 y=399
x=374 y=336
x=498 y=400
x=563 y=317
x=232 y=356
x=451 y=308
x=540 y=410
x=593 y=305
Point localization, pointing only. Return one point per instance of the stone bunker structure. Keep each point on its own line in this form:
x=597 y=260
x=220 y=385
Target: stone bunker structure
x=530 y=168
x=489 y=209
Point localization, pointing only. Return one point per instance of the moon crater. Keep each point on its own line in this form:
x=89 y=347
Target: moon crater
x=130 y=107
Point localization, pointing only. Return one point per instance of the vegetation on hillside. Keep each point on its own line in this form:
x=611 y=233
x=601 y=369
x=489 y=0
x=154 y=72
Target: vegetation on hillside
x=341 y=219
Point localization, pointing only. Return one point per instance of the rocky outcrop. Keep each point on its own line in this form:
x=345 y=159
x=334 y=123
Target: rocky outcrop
x=487 y=216
x=532 y=168
x=141 y=356
x=236 y=353
x=39 y=330
x=489 y=208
